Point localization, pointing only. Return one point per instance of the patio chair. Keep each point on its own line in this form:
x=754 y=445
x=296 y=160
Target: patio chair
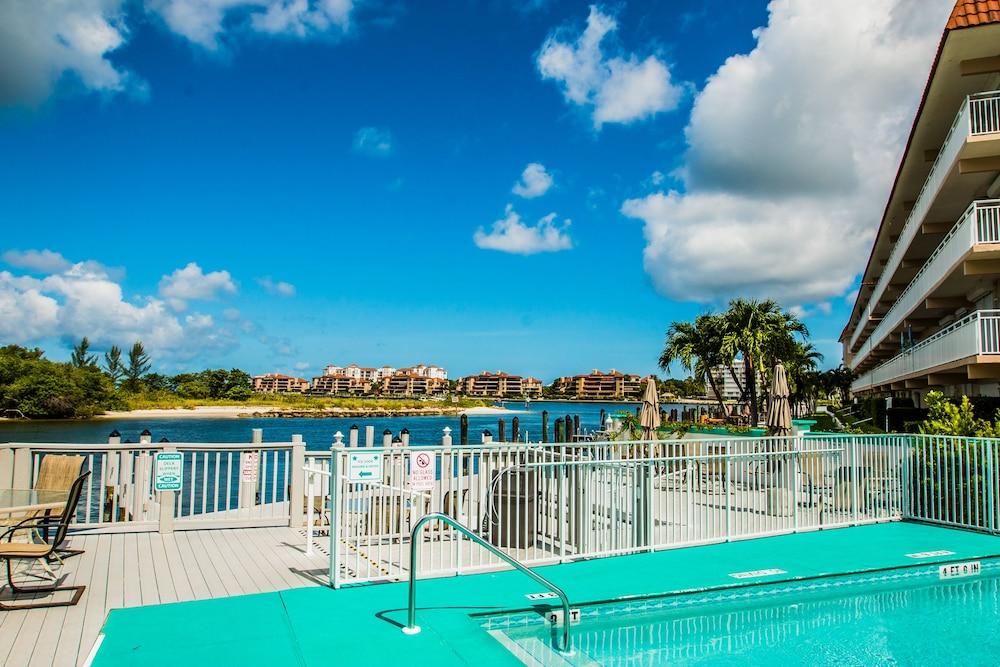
x=11 y=551
x=57 y=473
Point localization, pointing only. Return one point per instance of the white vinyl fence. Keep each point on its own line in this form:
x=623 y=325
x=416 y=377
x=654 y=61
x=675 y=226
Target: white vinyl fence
x=546 y=503
x=222 y=484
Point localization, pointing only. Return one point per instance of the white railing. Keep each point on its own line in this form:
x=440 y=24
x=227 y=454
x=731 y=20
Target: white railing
x=979 y=114
x=954 y=481
x=556 y=502
x=976 y=333
x=979 y=224
x=223 y=484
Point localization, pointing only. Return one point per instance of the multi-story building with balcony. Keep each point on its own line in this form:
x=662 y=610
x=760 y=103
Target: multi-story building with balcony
x=926 y=315
x=500 y=385
x=597 y=385
x=411 y=384
x=339 y=384
x=276 y=383
x=725 y=382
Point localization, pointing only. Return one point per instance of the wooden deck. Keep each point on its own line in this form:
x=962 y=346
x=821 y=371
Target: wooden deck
x=132 y=569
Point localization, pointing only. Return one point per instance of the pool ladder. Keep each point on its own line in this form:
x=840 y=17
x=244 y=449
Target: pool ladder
x=411 y=619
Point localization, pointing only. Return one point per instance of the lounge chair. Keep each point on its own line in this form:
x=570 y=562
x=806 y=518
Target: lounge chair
x=32 y=550
x=57 y=473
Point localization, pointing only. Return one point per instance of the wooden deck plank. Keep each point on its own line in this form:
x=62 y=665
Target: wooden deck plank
x=180 y=577
x=267 y=552
x=63 y=625
x=247 y=577
x=50 y=623
x=130 y=571
x=205 y=570
x=203 y=541
x=161 y=570
x=97 y=604
x=149 y=589
x=290 y=545
x=268 y=576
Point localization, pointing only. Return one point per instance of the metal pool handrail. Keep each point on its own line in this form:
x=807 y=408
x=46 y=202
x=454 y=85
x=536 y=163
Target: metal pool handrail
x=411 y=619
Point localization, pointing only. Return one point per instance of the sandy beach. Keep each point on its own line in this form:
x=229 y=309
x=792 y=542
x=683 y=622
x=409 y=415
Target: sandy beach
x=213 y=411
x=491 y=410
x=237 y=411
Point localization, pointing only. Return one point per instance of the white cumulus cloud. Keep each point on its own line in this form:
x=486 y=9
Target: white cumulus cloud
x=616 y=89
x=276 y=287
x=42 y=41
x=46 y=42
x=791 y=151
x=534 y=181
x=191 y=283
x=204 y=21
x=511 y=234
x=41 y=261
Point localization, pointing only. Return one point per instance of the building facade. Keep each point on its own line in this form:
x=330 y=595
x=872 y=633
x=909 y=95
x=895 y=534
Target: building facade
x=927 y=314
x=613 y=385
x=411 y=384
x=276 y=383
x=340 y=384
x=500 y=385
x=724 y=381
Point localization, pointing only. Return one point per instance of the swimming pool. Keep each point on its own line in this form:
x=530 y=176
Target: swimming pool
x=904 y=617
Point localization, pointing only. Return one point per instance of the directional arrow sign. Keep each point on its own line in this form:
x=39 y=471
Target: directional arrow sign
x=362 y=466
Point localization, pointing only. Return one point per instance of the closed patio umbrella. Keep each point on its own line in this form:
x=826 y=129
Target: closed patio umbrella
x=779 y=412
x=649 y=415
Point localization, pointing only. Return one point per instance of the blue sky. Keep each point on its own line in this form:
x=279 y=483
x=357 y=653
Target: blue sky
x=282 y=184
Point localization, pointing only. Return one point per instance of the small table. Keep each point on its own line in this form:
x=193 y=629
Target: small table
x=29 y=501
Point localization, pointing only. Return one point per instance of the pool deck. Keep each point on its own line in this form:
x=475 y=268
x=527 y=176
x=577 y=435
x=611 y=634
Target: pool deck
x=361 y=624
x=132 y=569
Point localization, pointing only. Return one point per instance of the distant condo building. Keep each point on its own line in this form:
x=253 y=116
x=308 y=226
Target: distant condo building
x=340 y=384
x=927 y=314
x=500 y=385
x=378 y=374
x=411 y=384
x=724 y=382
x=276 y=383
x=597 y=385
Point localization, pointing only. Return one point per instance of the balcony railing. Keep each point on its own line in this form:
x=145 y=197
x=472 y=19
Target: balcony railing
x=976 y=333
x=979 y=224
x=979 y=114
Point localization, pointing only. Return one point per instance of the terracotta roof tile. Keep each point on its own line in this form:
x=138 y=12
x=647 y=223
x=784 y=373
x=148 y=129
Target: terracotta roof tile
x=973 y=12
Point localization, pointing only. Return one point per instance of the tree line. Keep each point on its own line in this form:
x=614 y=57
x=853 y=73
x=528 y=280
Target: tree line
x=760 y=333
x=90 y=383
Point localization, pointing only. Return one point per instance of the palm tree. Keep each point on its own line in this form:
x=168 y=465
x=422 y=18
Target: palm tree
x=697 y=346
x=762 y=333
x=113 y=365
x=81 y=357
x=138 y=365
x=804 y=381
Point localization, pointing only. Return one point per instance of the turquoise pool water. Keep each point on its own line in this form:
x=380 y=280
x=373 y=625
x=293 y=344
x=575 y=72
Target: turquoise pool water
x=900 y=617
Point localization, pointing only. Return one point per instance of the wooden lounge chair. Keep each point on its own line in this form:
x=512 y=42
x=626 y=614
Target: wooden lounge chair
x=31 y=550
x=57 y=473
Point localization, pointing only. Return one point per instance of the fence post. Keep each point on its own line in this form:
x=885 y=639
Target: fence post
x=248 y=489
x=297 y=492
x=143 y=486
x=855 y=482
x=168 y=501
x=22 y=468
x=334 y=574
x=990 y=482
